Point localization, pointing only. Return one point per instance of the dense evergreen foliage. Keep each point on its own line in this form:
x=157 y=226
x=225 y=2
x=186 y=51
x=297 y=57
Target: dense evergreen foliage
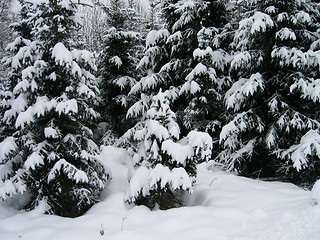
x=187 y=57
x=47 y=149
x=117 y=65
x=165 y=168
x=234 y=82
x=274 y=97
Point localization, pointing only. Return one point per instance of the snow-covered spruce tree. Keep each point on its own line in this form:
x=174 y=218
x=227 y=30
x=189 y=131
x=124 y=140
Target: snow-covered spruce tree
x=208 y=77
x=24 y=29
x=187 y=58
x=274 y=96
x=117 y=64
x=48 y=152
x=165 y=168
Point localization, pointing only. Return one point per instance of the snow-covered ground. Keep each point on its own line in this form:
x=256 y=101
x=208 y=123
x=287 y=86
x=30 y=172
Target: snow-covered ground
x=223 y=207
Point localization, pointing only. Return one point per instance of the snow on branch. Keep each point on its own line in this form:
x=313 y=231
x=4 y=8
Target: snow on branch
x=13 y=186
x=201 y=143
x=43 y=105
x=116 y=61
x=67 y=106
x=175 y=37
x=17 y=105
x=125 y=81
x=300 y=154
x=84 y=56
x=233 y=159
x=198 y=70
x=34 y=160
x=187 y=10
x=7 y=146
x=140 y=107
x=259 y=22
x=145 y=180
x=242 y=89
x=84 y=90
x=291 y=119
x=286 y=34
x=70 y=170
x=62 y=55
x=309 y=87
x=242 y=122
x=155 y=128
x=240 y=59
x=272 y=137
x=25 y=117
x=196 y=146
x=303 y=17
x=155 y=36
x=179 y=153
x=297 y=58
x=50 y=132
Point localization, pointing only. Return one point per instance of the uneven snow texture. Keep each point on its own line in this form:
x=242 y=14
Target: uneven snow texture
x=316 y=192
x=223 y=207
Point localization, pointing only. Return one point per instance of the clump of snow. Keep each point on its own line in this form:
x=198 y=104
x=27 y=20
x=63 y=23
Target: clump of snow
x=61 y=55
x=157 y=129
x=7 y=146
x=33 y=161
x=179 y=152
x=260 y=21
x=201 y=142
x=156 y=35
x=67 y=107
x=286 y=34
x=303 y=17
x=17 y=105
x=25 y=117
x=51 y=132
x=43 y=105
x=81 y=176
x=151 y=38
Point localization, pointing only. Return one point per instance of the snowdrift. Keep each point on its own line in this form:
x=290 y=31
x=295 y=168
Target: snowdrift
x=223 y=207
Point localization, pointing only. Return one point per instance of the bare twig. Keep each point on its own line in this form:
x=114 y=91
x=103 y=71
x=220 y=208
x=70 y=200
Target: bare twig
x=122 y=223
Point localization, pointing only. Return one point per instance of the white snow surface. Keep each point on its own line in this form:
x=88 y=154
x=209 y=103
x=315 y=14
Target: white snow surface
x=316 y=192
x=222 y=207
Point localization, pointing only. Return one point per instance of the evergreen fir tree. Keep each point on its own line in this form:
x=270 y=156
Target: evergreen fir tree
x=165 y=168
x=48 y=151
x=23 y=27
x=117 y=64
x=275 y=125
x=188 y=58
x=206 y=82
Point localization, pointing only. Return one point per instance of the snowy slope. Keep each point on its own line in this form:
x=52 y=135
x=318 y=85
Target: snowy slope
x=223 y=207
